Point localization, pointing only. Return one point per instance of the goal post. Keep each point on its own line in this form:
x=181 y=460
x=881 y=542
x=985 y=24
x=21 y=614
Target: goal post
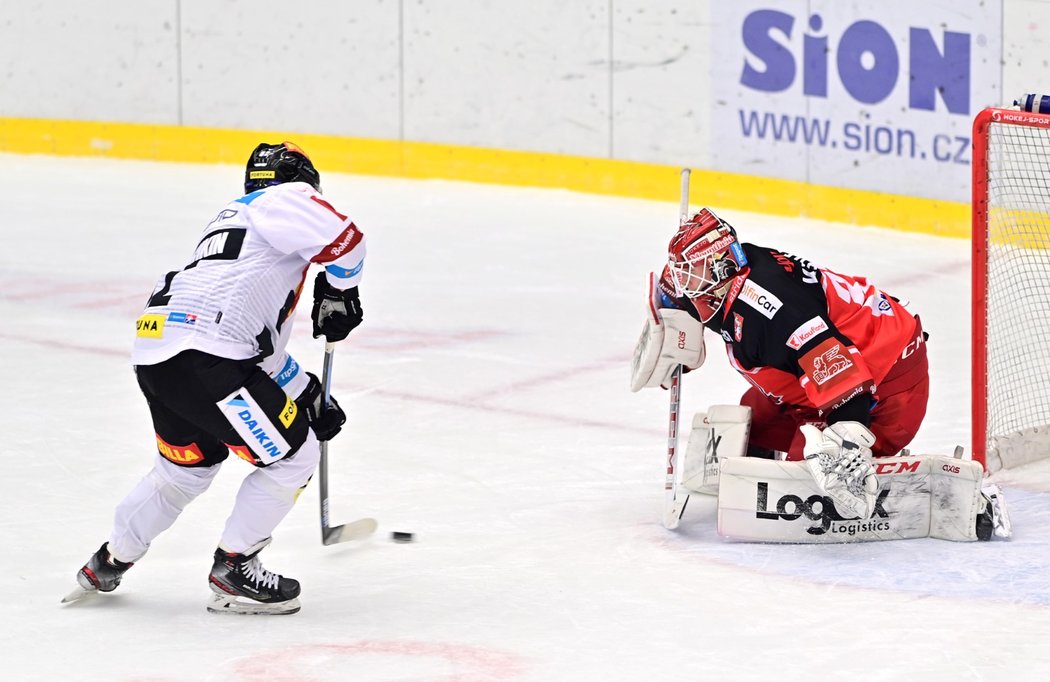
x=1011 y=288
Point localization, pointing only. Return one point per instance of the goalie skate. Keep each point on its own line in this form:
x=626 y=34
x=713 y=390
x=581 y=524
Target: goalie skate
x=241 y=585
x=995 y=519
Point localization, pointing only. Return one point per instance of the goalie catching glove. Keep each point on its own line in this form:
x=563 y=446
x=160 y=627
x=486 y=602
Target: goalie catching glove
x=671 y=337
x=336 y=311
x=839 y=459
x=326 y=421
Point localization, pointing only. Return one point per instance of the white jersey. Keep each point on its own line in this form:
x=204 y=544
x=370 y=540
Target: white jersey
x=236 y=297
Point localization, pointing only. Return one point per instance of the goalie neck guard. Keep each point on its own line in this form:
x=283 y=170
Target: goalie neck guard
x=273 y=164
x=703 y=258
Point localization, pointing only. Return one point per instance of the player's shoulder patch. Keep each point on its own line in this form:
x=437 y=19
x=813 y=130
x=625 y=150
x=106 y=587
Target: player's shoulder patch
x=806 y=332
x=760 y=298
x=827 y=361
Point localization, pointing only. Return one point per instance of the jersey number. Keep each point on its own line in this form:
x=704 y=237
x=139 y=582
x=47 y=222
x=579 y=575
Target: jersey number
x=161 y=297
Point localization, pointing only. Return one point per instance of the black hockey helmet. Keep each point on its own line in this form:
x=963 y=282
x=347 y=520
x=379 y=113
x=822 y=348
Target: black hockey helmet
x=273 y=164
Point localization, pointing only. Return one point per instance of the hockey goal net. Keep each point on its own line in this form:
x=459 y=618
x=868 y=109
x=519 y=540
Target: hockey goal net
x=1011 y=287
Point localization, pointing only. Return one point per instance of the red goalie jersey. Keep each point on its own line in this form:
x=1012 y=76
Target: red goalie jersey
x=818 y=347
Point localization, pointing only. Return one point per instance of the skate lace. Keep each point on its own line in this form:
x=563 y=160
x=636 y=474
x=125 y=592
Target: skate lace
x=254 y=571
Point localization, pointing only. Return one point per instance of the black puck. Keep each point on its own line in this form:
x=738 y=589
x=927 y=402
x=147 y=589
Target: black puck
x=400 y=536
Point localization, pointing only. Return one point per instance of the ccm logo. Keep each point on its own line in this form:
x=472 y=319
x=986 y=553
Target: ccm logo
x=912 y=346
x=883 y=468
x=681 y=340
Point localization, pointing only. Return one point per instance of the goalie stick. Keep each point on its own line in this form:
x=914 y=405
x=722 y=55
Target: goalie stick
x=674 y=504
x=355 y=530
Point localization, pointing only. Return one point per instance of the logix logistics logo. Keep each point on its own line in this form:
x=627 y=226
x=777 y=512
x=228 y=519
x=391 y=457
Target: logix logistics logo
x=821 y=509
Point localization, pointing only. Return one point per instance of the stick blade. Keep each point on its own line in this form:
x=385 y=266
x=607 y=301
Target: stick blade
x=355 y=530
x=673 y=514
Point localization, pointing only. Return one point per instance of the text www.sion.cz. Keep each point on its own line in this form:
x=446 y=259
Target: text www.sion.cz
x=852 y=136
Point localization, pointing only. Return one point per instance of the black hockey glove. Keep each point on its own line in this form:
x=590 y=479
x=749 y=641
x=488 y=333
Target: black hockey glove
x=326 y=423
x=336 y=311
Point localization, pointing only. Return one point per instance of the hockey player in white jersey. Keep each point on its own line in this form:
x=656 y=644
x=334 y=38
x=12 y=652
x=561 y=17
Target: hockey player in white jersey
x=210 y=359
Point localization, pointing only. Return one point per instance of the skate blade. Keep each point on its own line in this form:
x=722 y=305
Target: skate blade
x=673 y=515
x=222 y=603
x=78 y=594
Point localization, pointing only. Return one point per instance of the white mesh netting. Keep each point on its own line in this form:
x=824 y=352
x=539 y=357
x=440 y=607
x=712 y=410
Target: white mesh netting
x=1018 y=298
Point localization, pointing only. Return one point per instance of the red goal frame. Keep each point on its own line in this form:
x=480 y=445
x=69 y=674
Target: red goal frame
x=979 y=273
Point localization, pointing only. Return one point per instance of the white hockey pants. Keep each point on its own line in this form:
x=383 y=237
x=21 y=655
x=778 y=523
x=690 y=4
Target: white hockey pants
x=264 y=499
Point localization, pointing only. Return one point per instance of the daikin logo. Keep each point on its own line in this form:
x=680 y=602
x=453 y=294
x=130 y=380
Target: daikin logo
x=865 y=56
x=257 y=430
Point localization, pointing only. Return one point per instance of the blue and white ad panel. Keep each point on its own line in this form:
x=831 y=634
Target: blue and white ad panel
x=872 y=95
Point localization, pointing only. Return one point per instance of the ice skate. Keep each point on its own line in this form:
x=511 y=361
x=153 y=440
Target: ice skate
x=994 y=521
x=241 y=585
x=102 y=573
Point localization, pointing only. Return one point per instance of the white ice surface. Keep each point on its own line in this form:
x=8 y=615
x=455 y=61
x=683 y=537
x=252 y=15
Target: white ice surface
x=489 y=413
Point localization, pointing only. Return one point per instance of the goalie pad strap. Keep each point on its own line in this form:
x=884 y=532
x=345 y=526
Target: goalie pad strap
x=762 y=500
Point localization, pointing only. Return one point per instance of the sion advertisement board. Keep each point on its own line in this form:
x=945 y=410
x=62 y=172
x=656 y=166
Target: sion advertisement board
x=873 y=95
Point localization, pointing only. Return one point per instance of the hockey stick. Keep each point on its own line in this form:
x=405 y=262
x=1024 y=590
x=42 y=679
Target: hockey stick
x=355 y=530
x=674 y=504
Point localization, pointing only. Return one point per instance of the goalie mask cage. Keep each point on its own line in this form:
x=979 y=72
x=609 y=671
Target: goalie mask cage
x=1011 y=287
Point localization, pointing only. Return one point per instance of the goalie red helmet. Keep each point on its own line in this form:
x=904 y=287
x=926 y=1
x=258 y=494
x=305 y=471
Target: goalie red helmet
x=703 y=258
x=273 y=164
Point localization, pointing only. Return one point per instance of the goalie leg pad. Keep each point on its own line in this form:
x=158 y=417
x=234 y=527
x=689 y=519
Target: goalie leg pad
x=717 y=434
x=924 y=496
x=955 y=498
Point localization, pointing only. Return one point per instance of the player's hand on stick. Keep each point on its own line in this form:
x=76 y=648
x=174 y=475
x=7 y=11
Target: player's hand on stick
x=336 y=312
x=839 y=458
x=326 y=421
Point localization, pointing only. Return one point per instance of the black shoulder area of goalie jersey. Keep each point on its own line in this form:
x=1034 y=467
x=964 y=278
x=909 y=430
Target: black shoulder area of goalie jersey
x=782 y=293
